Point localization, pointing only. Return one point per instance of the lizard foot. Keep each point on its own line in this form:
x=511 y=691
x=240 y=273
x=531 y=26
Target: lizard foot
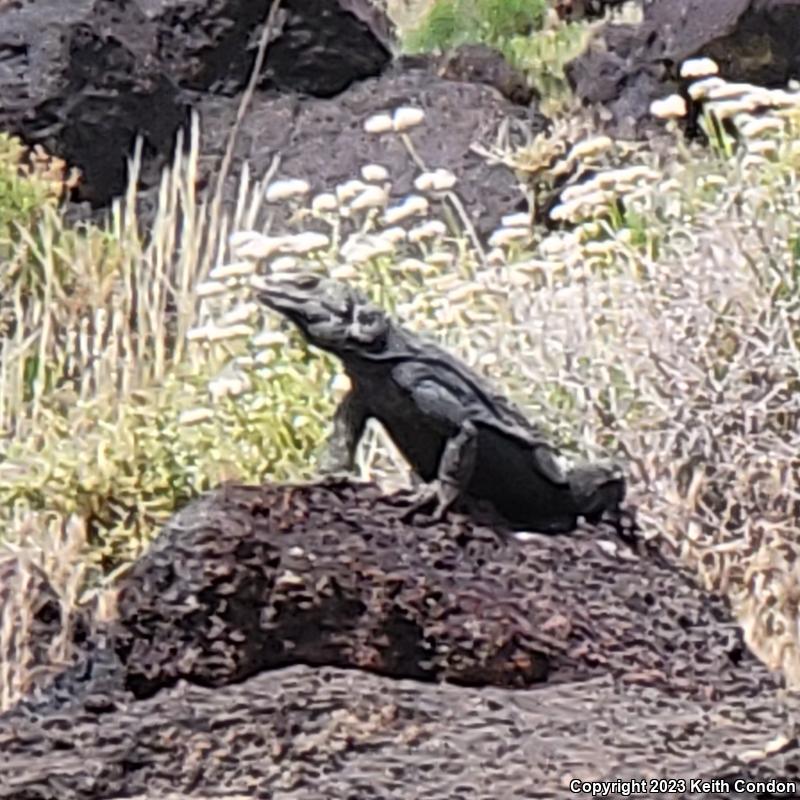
x=425 y=497
x=422 y=520
x=422 y=499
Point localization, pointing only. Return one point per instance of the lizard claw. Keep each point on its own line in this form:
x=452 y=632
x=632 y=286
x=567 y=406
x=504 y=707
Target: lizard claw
x=420 y=500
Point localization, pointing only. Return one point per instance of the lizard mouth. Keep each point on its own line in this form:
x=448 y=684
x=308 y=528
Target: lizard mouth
x=280 y=300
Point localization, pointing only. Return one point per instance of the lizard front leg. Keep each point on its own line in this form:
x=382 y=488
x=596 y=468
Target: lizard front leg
x=455 y=470
x=349 y=421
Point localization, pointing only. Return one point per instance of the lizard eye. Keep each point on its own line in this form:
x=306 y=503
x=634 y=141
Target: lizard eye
x=306 y=281
x=369 y=327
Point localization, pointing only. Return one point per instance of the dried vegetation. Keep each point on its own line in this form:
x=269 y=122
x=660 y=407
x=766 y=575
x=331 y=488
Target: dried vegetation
x=657 y=315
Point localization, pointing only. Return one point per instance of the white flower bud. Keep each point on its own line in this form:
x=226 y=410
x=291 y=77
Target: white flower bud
x=766 y=147
x=700 y=89
x=269 y=338
x=590 y=147
x=249 y=244
x=324 y=202
x=393 y=235
x=410 y=206
x=265 y=356
x=732 y=91
x=241 y=313
x=348 y=190
x=360 y=248
x=374 y=172
x=672 y=107
x=438 y=180
x=516 y=220
x=440 y=259
x=414 y=265
x=210 y=288
x=379 y=123
x=284 y=264
x=239 y=269
x=228 y=386
x=344 y=272
x=699 y=68
x=427 y=230
x=341 y=384
x=215 y=333
x=617 y=177
x=371 y=197
x=505 y=236
x=304 y=242
x=407 y=117
x=496 y=257
x=284 y=189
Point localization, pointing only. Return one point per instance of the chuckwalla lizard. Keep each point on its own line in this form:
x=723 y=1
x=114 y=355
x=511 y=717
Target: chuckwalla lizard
x=463 y=440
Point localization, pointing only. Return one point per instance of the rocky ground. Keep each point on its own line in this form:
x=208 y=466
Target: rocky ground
x=302 y=641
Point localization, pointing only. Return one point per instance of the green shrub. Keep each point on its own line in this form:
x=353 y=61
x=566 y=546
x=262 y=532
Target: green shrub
x=450 y=23
x=123 y=470
x=30 y=180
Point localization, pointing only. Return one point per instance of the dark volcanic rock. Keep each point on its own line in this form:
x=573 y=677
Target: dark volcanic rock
x=622 y=72
x=629 y=66
x=247 y=579
x=324 y=141
x=751 y=40
x=323 y=47
x=647 y=676
x=478 y=63
x=84 y=77
x=318 y=734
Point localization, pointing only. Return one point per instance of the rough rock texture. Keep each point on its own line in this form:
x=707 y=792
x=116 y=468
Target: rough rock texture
x=265 y=595
x=628 y=66
x=324 y=142
x=83 y=77
x=245 y=580
x=478 y=63
x=330 y=733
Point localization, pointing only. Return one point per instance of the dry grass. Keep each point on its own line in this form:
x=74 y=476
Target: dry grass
x=40 y=584
x=663 y=328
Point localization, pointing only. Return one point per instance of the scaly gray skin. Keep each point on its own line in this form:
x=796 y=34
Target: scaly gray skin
x=460 y=437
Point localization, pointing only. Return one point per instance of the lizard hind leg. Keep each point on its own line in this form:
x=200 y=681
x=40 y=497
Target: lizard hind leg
x=455 y=470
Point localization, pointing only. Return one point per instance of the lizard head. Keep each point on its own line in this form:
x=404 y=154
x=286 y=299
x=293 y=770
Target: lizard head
x=331 y=315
